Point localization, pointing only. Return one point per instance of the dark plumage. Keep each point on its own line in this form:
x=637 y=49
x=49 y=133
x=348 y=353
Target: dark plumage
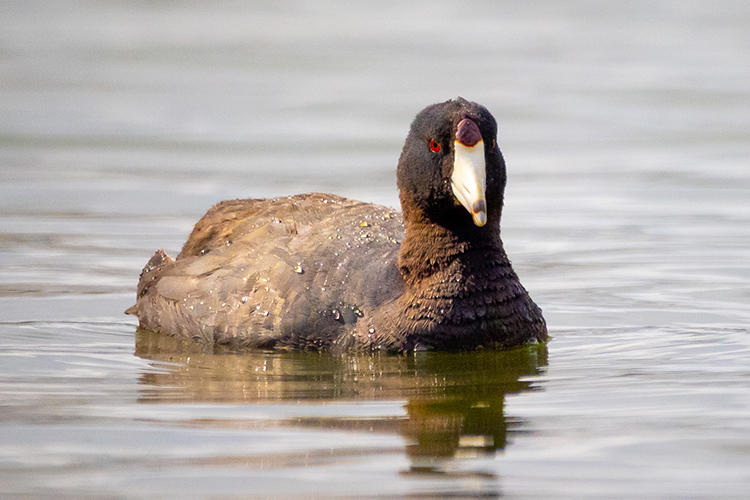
x=317 y=271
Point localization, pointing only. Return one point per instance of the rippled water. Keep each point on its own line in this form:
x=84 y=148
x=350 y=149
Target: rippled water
x=626 y=129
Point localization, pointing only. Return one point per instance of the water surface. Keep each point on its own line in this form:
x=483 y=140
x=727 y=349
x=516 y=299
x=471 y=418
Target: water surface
x=626 y=130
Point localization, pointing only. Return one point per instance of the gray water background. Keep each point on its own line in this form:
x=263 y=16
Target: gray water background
x=626 y=130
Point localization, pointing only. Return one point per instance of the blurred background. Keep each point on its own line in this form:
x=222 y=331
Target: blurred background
x=626 y=131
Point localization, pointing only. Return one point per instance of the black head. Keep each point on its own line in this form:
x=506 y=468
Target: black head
x=444 y=138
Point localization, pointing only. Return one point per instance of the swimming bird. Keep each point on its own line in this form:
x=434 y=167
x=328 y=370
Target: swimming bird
x=321 y=272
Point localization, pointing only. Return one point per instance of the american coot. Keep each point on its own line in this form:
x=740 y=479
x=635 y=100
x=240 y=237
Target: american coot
x=318 y=271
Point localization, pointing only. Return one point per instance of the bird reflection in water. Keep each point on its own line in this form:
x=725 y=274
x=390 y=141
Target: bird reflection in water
x=454 y=402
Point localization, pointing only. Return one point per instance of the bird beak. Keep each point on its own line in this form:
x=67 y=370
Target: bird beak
x=469 y=174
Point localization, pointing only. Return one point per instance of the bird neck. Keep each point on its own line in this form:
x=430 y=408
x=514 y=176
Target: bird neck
x=432 y=251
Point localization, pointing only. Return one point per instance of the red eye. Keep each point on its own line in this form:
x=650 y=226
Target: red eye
x=434 y=146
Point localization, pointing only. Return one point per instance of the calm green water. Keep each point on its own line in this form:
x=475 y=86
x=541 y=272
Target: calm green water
x=626 y=129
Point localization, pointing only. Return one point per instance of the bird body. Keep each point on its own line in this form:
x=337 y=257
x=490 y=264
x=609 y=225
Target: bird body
x=318 y=271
